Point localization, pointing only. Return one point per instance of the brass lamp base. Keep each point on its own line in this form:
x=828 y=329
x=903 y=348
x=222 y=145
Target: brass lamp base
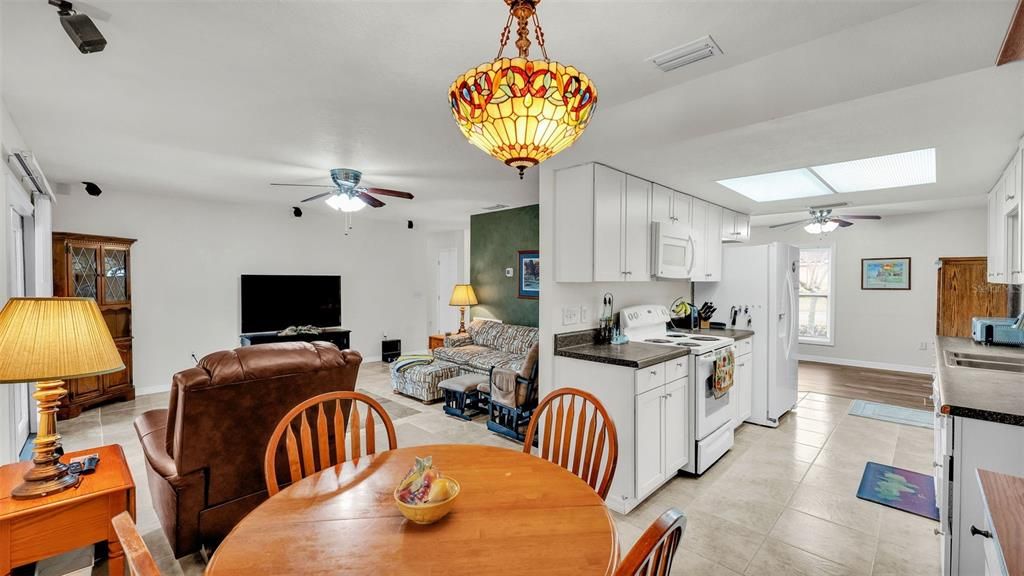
x=48 y=474
x=462 y=319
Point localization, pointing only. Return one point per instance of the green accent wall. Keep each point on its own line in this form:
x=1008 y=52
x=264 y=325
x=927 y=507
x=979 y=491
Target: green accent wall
x=495 y=239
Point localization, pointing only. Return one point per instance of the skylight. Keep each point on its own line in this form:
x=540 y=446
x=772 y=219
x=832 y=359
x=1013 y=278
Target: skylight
x=784 y=185
x=889 y=171
x=876 y=173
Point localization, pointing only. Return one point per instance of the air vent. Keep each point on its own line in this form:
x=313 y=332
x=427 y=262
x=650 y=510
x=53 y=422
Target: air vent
x=687 y=54
x=494 y=207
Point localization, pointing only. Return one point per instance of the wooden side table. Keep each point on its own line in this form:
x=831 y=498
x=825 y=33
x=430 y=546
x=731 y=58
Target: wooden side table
x=31 y=530
x=436 y=341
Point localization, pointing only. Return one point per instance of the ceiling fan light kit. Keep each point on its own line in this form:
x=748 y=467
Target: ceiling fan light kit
x=522 y=111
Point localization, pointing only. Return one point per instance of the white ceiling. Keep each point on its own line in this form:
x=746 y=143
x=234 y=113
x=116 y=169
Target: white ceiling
x=218 y=98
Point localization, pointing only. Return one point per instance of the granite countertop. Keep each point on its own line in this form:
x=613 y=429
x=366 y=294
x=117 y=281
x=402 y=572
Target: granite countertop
x=630 y=355
x=977 y=393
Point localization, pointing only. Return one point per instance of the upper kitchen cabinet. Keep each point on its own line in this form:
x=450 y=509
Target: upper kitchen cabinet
x=667 y=205
x=706 y=222
x=735 y=226
x=1005 y=225
x=602 y=219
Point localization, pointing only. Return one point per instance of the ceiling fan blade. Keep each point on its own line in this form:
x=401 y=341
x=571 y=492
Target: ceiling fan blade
x=791 y=223
x=861 y=217
x=304 y=185
x=842 y=223
x=318 y=196
x=386 y=192
x=370 y=200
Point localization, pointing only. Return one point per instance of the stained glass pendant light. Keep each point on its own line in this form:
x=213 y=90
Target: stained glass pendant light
x=522 y=111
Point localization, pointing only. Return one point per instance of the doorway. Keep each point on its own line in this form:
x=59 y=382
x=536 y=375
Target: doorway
x=20 y=401
x=447 y=278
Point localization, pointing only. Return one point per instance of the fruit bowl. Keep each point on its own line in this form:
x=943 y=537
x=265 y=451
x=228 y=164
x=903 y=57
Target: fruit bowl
x=431 y=511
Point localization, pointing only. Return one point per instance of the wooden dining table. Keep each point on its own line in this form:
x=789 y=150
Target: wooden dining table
x=516 y=513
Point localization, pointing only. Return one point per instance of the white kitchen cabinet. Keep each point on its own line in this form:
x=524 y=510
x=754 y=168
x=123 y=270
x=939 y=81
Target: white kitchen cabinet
x=602 y=225
x=677 y=426
x=636 y=230
x=735 y=226
x=609 y=201
x=706 y=224
x=967 y=444
x=1006 y=225
x=650 y=441
x=668 y=205
x=650 y=407
x=743 y=387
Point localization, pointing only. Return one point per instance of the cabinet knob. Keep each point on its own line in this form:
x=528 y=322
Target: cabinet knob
x=982 y=533
x=669 y=395
x=654 y=372
x=938 y=532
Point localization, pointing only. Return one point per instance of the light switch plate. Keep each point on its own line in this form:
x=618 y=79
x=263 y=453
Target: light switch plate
x=584 y=314
x=509 y=272
x=570 y=315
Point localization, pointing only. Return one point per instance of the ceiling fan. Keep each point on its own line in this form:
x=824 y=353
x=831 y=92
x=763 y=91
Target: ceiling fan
x=346 y=194
x=822 y=220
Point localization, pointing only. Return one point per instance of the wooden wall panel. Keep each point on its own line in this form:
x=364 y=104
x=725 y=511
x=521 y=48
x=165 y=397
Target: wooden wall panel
x=963 y=293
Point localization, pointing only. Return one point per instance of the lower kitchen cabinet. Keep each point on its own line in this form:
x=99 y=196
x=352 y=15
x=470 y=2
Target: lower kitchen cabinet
x=962 y=446
x=650 y=407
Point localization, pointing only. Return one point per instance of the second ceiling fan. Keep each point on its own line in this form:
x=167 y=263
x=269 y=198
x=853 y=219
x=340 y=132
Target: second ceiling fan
x=822 y=220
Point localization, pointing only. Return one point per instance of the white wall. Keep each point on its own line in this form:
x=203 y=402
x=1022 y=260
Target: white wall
x=554 y=296
x=456 y=240
x=882 y=328
x=190 y=254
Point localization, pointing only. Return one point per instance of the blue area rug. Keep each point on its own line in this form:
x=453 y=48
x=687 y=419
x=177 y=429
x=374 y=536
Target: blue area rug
x=900 y=489
x=890 y=413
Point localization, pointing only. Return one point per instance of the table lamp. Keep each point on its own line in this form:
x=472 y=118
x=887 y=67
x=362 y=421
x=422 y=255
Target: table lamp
x=463 y=296
x=46 y=340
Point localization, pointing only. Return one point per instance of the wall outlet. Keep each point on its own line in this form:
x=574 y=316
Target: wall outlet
x=584 y=314
x=509 y=272
x=570 y=315
x=923 y=346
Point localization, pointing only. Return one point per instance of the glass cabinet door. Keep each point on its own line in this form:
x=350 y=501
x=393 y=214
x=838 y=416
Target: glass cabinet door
x=115 y=275
x=84 y=272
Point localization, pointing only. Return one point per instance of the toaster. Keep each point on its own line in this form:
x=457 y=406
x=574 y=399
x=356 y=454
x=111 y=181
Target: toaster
x=1002 y=331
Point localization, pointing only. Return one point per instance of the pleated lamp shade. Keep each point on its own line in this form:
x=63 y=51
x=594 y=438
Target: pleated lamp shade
x=463 y=295
x=54 y=339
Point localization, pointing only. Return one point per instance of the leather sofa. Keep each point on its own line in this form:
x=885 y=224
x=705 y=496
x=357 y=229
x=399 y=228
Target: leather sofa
x=204 y=453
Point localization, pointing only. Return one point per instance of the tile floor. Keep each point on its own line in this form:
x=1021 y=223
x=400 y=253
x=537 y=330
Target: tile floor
x=781 y=501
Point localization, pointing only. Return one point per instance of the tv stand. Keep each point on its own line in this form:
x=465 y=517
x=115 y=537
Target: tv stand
x=337 y=336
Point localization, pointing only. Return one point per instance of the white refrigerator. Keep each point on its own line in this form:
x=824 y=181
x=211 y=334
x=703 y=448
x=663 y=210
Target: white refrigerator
x=762 y=282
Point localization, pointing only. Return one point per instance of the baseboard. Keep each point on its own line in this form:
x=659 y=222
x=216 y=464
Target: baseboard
x=143 y=390
x=866 y=364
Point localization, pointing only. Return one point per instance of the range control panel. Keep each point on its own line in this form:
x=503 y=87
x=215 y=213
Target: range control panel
x=643 y=315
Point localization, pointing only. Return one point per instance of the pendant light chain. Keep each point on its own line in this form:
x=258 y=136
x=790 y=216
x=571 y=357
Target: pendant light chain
x=505 y=35
x=540 y=36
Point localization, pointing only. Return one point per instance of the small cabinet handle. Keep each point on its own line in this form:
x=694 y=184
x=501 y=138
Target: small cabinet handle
x=982 y=533
x=669 y=395
x=654 y=372
x=938 y=532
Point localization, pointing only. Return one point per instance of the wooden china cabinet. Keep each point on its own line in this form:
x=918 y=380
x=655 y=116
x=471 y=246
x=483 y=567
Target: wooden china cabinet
x=97 y=267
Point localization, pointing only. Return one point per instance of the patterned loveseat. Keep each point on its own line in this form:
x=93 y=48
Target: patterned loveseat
x=486 y=344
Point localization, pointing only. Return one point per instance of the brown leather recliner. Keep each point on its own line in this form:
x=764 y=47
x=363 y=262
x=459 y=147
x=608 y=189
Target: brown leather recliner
x=204 y=454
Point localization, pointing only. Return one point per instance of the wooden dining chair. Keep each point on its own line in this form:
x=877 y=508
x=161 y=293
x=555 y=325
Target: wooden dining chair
x=140 y=561
x=582 y=441
x=338 y=425
x=653 y=553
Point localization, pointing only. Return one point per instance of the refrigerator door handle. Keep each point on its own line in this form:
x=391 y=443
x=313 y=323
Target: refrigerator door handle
x=784 y=316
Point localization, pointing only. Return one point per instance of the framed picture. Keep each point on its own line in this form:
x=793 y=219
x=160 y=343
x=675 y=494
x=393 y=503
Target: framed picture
x=529 y=274
x=885 y=274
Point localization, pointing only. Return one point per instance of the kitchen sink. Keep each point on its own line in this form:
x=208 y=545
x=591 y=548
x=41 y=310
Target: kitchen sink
x=985 y=362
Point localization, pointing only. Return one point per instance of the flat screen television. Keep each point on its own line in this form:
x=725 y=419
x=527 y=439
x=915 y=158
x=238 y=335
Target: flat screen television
x=271 y=303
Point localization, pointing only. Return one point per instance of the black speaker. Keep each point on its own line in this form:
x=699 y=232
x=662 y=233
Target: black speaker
x=83 y=33
x=390 y=350
x=410 y=224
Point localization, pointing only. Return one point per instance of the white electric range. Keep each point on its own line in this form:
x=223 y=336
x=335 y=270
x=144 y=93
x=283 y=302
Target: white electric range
x=712 y=430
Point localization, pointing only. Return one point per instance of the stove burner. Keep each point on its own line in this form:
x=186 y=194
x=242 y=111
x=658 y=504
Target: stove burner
x=658 y=341
x=704 y=338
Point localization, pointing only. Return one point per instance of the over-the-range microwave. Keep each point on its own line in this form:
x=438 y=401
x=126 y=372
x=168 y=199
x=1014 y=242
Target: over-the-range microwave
x=672 y=250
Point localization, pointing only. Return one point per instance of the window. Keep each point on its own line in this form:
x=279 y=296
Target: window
x=816 y=303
